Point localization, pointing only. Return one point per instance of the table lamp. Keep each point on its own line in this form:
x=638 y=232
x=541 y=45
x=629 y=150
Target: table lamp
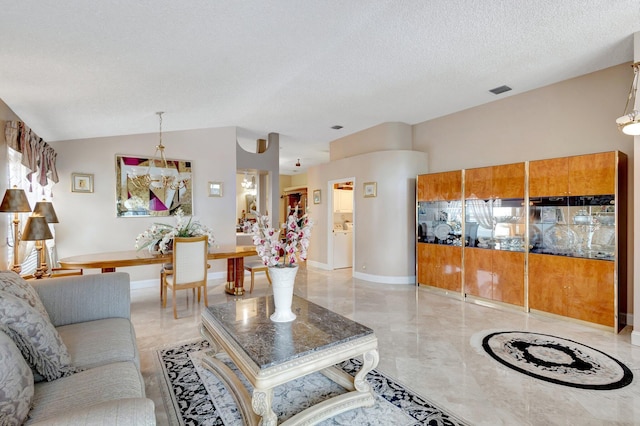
x=15 y=201
x=45 y=208
x=37 y=229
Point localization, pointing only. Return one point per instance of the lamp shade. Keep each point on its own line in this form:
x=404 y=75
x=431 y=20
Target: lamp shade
x=632 y=129
x=36 y=229
x=45 y=208
x=15 y=200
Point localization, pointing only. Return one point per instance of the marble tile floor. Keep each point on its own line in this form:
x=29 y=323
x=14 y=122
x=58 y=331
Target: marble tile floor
x=424 y=343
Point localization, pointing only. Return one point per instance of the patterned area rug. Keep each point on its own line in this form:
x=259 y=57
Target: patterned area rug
x=557 y=360
x=195 y=396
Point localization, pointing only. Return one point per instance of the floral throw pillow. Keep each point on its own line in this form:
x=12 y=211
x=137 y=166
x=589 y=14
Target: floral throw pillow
x=35 y=336
x=16 y=384
x=18 y=286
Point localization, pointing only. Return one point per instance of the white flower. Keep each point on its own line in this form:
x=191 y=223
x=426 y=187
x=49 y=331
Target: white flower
x=162 y=234
x=272 y=249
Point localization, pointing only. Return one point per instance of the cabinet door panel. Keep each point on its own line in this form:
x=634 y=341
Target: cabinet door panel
x=424 y=263
x=450 y=268
x=422 y=184
x=478 y=183
x=549 y=177
x=508 y=181
x=430 y=187
x=508 y=277
x=478 y=277
x=451 y=185
x=591 y=295
x=547 y=282
x=592 y=174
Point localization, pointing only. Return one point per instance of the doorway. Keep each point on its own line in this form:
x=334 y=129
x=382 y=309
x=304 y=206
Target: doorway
x=341 y=246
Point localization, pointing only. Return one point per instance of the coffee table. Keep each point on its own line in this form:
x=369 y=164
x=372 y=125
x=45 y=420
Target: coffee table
x=270 y=354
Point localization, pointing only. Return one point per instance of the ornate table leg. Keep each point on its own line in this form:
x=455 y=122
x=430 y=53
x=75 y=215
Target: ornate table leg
x=261 y=404
x=369 y=362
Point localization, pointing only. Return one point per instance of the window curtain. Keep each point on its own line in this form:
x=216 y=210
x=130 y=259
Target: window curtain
x=32 y=167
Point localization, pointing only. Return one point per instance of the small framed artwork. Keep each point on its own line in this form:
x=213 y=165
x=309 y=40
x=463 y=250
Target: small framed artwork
x=215 y=189
x=81 y=182
x=316 y=196
x=370 y=189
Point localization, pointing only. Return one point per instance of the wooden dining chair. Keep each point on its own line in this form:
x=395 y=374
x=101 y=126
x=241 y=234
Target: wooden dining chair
x=254 y=266
x=189 y=269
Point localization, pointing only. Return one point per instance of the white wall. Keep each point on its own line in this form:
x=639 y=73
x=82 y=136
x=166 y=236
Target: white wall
x=88 y=222
x=384 y=226
x=635 y=239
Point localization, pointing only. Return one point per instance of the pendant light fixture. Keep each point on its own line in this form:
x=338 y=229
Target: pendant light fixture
x=629 y=123
x=158 y=174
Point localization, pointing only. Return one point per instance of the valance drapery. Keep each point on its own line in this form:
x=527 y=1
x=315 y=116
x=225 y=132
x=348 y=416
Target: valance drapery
x=37 y=156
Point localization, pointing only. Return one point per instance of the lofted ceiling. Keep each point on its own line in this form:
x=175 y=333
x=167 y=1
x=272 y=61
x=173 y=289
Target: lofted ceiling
x=86 y=68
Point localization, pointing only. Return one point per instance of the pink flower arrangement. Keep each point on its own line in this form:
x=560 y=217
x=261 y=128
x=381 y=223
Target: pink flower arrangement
x=275 y=250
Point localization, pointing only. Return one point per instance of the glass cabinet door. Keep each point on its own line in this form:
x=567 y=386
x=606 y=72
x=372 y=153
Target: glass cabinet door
x=577 y=226
x=440 y=222
x=497 y=224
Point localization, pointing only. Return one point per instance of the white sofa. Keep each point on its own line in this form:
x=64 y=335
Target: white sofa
x=102 y=383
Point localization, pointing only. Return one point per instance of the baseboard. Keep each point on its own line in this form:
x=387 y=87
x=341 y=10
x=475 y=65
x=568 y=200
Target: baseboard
x=635 y=338
x=154 y=283
x=385 y=279
x=318 y=265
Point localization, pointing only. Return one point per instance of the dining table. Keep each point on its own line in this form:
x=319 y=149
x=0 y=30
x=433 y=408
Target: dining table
x=109 y=261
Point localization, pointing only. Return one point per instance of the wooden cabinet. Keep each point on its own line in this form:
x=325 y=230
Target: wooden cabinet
x=593 y=174
x=342 y=201
x=440 y=266
x=504 y=181
x=548 y=177
x=494 y=275
x=590 y=174
x=583 y=289
x=509 y=180
x=575 y=259
x=440 y=186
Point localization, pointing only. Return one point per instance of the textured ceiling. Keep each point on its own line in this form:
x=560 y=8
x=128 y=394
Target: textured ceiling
x=86 y=68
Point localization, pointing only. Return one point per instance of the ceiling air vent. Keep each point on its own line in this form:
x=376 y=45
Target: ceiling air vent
x=500 y=89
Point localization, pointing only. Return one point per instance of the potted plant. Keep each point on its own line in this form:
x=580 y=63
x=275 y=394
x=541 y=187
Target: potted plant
x=281 y=252
x=159 y=236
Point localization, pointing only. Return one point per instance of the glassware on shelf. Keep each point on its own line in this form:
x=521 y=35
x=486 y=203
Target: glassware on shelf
x=560 y=239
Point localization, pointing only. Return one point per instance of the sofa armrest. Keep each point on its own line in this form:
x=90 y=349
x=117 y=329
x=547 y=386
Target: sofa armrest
x=73 y=299
x=126 y=411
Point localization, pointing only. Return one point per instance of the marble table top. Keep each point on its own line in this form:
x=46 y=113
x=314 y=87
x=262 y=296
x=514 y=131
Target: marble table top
x=269 y=343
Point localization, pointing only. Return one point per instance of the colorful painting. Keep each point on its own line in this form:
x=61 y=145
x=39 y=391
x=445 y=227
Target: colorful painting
x=145 y=187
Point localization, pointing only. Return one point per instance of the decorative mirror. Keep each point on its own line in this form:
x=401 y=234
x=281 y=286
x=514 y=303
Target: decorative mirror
x=149 y=187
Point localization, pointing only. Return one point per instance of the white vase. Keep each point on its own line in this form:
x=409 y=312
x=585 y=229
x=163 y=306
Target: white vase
x=282 y=280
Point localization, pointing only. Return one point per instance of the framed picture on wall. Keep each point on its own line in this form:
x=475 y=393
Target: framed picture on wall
x=135 y=197
x=81 y=182
x=316 y=196
x=370 y=189
x=215 y=189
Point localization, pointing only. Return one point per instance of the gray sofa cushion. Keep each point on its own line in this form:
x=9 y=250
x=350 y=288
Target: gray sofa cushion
x=16 y=383
x=100 y=342
x=18 y=286
x=36 y=337
x=85 y=389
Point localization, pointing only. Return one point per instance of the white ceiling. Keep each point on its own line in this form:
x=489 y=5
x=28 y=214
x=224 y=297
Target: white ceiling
x=87 y=68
